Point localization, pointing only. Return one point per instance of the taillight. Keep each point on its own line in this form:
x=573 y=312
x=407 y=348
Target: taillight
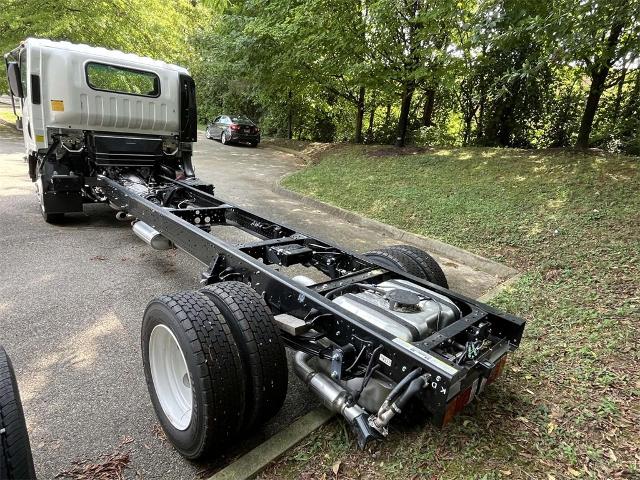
x=457 y=403
x=234 y=126
x=497 y=370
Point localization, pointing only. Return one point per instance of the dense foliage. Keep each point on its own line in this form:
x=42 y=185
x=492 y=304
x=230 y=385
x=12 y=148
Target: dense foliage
x=519 y=73
x=157 y=28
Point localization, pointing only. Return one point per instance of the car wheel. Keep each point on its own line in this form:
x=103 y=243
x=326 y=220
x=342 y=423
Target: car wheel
x=207 y=133
x=16 y=461
x=223 y=138
x=254 y=144
x=194 y=373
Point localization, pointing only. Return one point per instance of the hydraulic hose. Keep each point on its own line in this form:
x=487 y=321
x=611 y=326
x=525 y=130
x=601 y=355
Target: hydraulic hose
x=390 y=407
x=414 y=387
x=401 y=384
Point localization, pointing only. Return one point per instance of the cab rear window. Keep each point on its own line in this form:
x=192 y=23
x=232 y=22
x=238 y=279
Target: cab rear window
x=113 y=78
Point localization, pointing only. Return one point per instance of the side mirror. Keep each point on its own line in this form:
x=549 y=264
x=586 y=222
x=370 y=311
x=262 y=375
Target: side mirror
x=13 y=75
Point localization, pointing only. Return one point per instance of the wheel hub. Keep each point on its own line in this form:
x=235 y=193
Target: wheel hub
x=170 y=376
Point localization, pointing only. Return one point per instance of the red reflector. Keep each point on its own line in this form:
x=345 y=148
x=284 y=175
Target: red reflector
x=497 y=370
x=457 y=403
x=233 y=126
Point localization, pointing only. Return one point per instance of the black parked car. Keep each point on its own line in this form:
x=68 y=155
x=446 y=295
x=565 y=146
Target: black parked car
x=234 y=128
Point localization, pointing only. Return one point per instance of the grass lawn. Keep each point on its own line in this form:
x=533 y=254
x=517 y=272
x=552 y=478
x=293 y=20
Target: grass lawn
x=7 y=115
x=568 y=403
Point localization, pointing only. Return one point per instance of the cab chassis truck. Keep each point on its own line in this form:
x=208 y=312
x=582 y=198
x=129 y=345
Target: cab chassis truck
x=379 y=335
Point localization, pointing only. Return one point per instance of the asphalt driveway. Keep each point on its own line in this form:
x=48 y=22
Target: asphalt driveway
x=72 y=297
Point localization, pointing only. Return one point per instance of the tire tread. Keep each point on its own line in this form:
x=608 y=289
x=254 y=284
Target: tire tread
x=261 y=348
x=413 y=261
x=218 y=361
x=16 y=460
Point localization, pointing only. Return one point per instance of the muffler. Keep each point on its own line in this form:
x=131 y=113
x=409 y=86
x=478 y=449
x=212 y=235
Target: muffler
x=151 y=236
x=335 y=398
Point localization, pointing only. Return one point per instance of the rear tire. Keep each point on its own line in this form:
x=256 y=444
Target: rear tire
x=52 y=218
x=254 y=144
x=411 y=260
x=16 y=461
x=260 y=345
x=46 y=214
x=190 y=323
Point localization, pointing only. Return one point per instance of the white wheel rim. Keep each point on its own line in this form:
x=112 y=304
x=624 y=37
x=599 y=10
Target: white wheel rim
x=207 y=133
x=171 y=379
x=224 y=138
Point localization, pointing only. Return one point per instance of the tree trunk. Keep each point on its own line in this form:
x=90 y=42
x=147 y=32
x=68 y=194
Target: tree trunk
x=359 y=115
x=290 y=117
x=427 y=111
x=466 y=136
x=596 y=89
x=599 y=75
x=618 y=102
x=632 y=99
x=481 y=107
x=405 y=107
x=372 y=114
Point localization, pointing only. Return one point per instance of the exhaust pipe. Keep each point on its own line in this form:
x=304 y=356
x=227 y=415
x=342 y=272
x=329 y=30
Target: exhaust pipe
x=123 y=216
x=151 y=236
x=335 y=398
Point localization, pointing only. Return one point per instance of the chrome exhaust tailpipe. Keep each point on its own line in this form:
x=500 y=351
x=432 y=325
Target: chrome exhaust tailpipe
x=151 y=236
x=335 y=398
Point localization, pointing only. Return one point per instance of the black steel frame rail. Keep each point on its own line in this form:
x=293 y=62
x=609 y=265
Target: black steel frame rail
x=188 y=229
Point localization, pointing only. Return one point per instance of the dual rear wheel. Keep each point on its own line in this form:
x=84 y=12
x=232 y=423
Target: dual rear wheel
x=215 y=365
x=411 y=260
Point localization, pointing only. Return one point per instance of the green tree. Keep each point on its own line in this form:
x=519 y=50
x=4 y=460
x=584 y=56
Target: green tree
x=155 y=28
x=408 y=42
x=597 y=35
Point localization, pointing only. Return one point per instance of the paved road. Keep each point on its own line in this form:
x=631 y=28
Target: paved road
x=72 y=297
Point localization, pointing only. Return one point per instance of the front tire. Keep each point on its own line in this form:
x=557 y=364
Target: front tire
x=260 y=345
x=44 y=211
x=207 y=133
x=193 y=371
x=16 y=461
x=52 y=218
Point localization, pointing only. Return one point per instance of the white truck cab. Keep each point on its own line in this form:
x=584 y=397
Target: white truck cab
x=87 y=109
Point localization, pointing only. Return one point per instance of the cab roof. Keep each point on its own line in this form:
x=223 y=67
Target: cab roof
x=101 y=53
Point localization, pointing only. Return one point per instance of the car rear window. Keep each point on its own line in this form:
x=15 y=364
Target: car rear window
x=112 y=78
x=241 y=119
